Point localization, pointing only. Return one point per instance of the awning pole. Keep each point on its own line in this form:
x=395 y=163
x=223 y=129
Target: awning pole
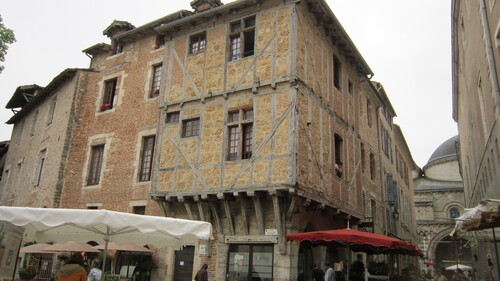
x=496 y=251
x=106 y=241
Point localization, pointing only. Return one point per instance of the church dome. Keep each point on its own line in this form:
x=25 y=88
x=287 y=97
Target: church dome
x=446 y=149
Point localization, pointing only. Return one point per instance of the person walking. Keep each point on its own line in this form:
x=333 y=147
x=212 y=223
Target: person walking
x=317 y=274
x=73 y=270
x=441 y=275
x=329 y=274
x=202 y=274
x=95 y=272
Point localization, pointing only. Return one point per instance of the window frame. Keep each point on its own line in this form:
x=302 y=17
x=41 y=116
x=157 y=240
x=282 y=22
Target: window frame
x=146 y=158
x=242 y=33
x=157 y=70
x=240 y=133
x=109 y=93
x=200 y=39
x=52 y=109
x=95 y=164
x=191 y=132
x=337 y=73
x=240 y=249
x=172 y=117
x=39 y=169
x=159 y=42
x=338 y=155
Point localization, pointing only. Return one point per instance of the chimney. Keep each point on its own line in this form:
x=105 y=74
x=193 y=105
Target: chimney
x=203 y=5
x=117 y=27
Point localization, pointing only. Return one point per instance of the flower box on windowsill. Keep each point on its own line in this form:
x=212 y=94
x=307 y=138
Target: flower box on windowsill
x=106 y=106
x=155 y=93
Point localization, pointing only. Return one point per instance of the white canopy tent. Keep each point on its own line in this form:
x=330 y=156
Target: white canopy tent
x=455 y=267
x=63 y=225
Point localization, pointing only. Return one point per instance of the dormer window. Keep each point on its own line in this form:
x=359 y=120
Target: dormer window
x=118 y=49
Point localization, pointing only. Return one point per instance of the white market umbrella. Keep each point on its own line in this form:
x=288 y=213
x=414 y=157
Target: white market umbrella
x=102 y=226
x=35 y=249
x=458 y=266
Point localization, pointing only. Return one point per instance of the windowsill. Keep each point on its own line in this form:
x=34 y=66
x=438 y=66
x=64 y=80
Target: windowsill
x=237 y=160
x=115 y=56
x=94 y=186
x=190 y=137
x=194 y=54
x=240 y=59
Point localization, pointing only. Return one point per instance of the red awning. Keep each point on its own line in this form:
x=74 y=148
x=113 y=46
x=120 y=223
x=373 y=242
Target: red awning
x=357 y=241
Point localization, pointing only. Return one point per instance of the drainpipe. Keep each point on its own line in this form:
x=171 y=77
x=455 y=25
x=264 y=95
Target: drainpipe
x=490 y=55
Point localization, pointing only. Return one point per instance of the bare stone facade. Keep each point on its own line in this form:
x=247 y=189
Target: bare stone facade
x=41 y=136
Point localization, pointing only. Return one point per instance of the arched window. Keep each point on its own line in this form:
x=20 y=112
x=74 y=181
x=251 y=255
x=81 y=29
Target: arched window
x=454 y=212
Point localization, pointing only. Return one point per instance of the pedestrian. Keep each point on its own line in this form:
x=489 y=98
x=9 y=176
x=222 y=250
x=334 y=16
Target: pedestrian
x=441 y=275
x=95 y=272
x=317 y=274
x=73 y=269
x=202 y=274
x=459 y=276
x=329 y=274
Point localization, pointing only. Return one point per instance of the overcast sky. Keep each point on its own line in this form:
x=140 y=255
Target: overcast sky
x=406 y=43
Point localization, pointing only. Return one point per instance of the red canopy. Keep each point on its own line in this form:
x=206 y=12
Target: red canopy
x=356 y=240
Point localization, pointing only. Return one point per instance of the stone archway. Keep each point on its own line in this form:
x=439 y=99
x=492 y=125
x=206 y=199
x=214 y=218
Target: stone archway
x=444 y=250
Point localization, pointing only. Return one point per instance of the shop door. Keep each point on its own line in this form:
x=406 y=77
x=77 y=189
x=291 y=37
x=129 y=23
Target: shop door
x=183 y=269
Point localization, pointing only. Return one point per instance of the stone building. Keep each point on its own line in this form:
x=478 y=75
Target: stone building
x=266 y=121
x=476 y=107
x=41 y=135
x=439 y=199
x=257 y=115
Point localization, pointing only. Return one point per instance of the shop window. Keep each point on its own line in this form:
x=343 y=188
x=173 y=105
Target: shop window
x=242 y=38
x=250 y=262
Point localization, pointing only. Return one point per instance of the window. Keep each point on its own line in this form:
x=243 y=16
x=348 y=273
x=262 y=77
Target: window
x=240 y=134
x=155 y=85
x=160 y=42
x=338 y=155
x=250 y=262
x=242 y=38
x=139 y=210
x=362 y=156
x=33 y=124
x=52 y=109
x=92 y=207
x=19 y=132
x=369 y=112
x=39 y=169
x=350 y=87
x=337 y=73
x=118 y=48
x=197 y=43
x=372 y=166
x=454 y=213
x=109 y=94
x=148 y=144
x=173 y=117
x=96 y=156
x=190 y=127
